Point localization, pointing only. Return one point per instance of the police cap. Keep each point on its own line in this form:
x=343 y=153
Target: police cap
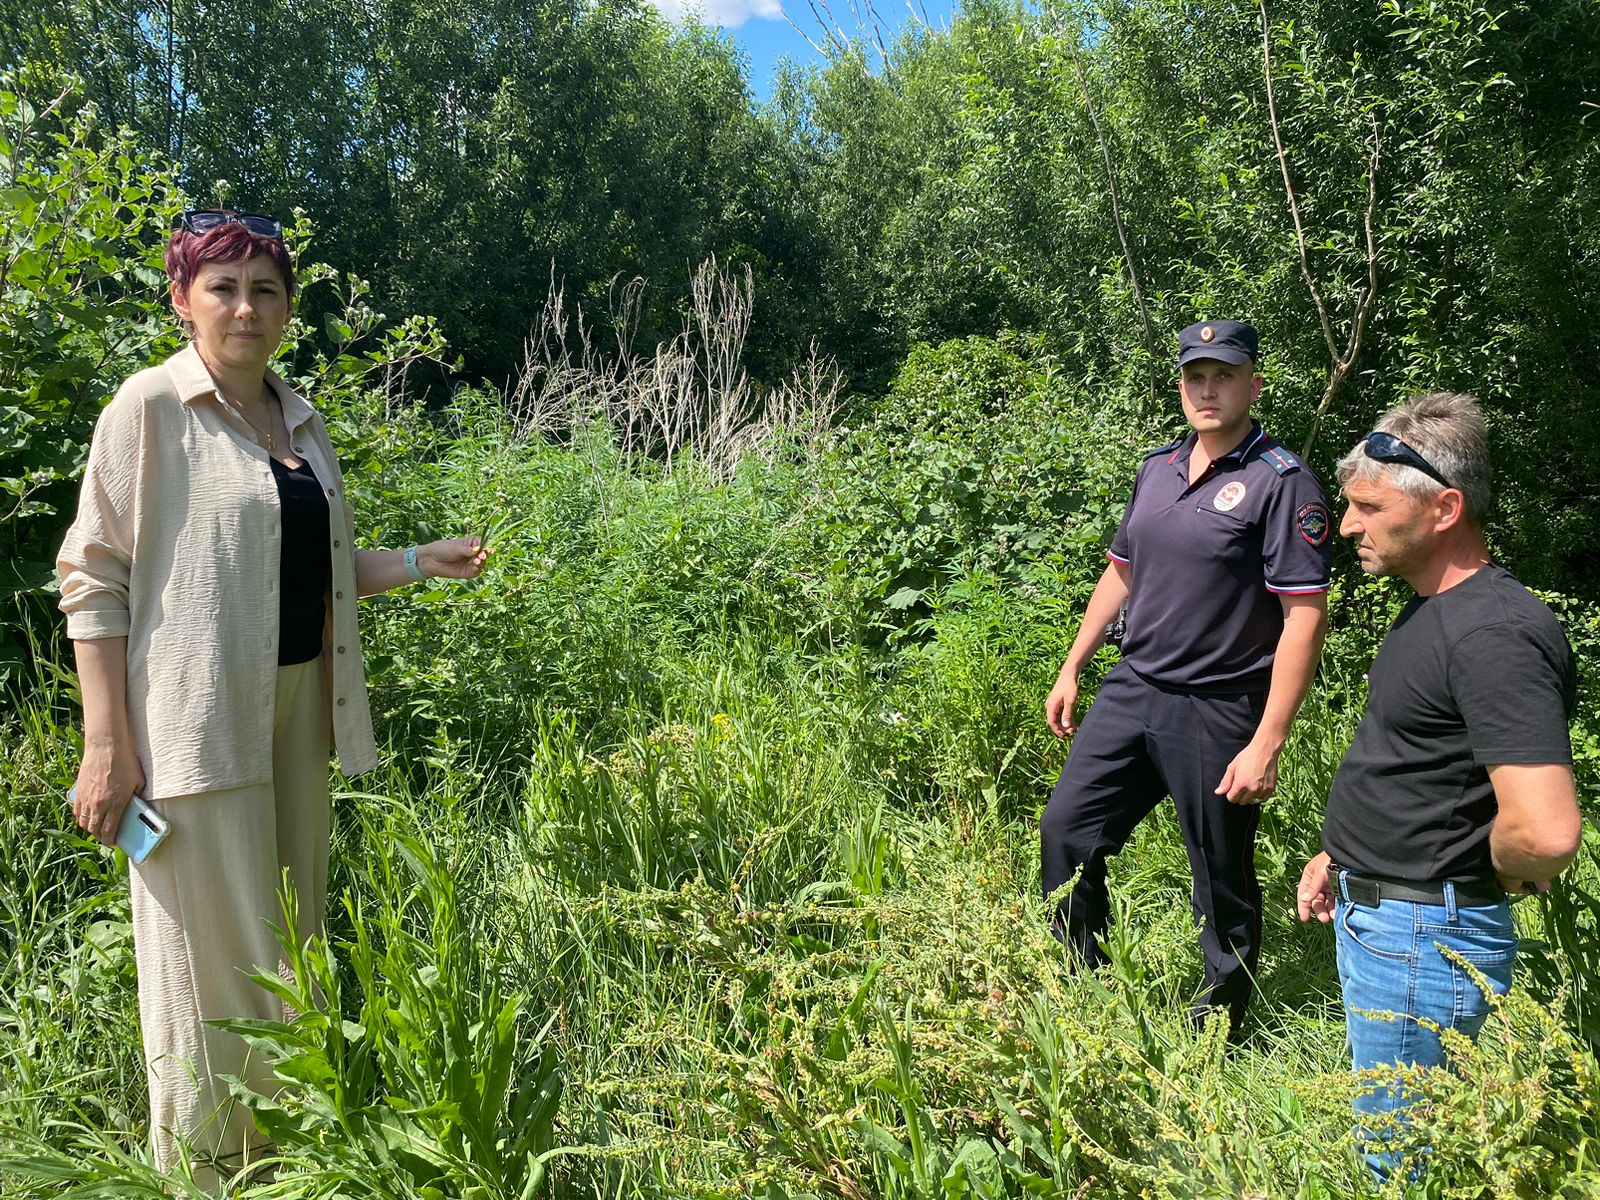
x=1226 y=341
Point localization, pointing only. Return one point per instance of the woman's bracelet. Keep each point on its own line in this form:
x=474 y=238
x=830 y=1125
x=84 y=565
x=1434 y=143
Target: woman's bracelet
x=412 y=569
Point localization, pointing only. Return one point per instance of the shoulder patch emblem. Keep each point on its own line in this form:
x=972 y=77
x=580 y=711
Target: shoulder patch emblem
x=1229 y=497
x=1313 y=522
x=1280 y=460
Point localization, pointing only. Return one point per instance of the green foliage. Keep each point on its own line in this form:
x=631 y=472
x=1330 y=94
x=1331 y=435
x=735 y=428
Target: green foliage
x=418 y=1085
x=1514 y=1116
x=978 y=460
x=66 y=946
x=768 y=968
x=706 y=863
x=80 y=309
x=455 y=153
x=970 y=190
x=597 y=571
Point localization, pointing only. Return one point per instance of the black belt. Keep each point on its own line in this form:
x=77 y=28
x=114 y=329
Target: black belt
x=1369 y=890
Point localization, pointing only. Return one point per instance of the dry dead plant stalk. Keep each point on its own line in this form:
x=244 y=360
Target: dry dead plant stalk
x=871 y=29
x=690 y=396
x=554 y=391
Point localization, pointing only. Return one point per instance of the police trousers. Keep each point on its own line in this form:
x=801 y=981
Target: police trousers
x=204 y=903
x=1137 y=744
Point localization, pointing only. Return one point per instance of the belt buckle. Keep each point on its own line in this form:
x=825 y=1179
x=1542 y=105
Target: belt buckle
x=1365 y=892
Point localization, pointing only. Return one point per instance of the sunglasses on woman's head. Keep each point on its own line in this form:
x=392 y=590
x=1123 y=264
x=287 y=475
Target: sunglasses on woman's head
x=204 y=220
x=1385 y=447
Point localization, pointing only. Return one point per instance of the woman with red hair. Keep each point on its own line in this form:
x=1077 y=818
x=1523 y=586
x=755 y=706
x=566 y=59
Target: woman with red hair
x=209 y=582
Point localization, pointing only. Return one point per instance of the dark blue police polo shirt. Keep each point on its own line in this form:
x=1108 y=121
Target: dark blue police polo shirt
x=1208 y=562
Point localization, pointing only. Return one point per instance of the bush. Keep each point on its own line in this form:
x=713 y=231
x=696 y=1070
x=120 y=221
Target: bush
x=82 y=211
x=982 y=458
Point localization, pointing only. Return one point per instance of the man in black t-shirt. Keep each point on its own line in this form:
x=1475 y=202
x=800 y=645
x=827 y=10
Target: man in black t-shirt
x=1458 y=787
x=1222 y=558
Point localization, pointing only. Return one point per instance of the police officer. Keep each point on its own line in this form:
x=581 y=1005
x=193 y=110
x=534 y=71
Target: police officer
x=1222 y=559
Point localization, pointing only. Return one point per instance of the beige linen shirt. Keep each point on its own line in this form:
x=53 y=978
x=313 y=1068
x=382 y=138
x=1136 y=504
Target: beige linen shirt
x=177 y=546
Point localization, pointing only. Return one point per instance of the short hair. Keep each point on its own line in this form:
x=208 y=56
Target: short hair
x=1447 y=429
x=188 y=252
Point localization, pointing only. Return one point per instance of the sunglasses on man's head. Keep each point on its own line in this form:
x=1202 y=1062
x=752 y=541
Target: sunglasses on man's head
x=1385 y=447
x=204 y=220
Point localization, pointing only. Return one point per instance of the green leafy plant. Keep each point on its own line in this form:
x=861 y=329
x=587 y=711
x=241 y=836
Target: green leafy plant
x=420 y=1080
x=81 y=299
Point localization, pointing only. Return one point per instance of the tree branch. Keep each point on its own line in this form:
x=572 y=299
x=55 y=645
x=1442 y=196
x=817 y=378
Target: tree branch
x=1341 y=363
x=1116 y=212
x=1364 y=304
x=1288 y=187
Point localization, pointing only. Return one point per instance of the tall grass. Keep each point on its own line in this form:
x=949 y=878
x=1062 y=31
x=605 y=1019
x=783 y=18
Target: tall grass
x=677 y=884
x=745 y=969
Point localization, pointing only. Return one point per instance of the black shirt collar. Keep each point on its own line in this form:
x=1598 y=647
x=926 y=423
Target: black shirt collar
x=1237 y=454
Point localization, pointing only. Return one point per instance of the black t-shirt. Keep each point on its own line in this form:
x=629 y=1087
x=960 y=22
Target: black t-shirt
x=1208 y=562
x=1475 y=676
x=305 y=563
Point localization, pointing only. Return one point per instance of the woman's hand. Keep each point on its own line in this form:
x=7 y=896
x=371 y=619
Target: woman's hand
x=453 y=558
x=449 y=558
x=109 y=778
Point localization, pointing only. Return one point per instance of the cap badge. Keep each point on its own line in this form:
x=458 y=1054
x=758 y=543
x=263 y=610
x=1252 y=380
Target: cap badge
x=1228 y=498
x=1207 y=334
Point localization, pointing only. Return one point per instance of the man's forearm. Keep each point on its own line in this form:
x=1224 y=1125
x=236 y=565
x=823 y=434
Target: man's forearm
x=1108 y=597
x=1514 y=862
x=1538 y=828
x=1294 y=666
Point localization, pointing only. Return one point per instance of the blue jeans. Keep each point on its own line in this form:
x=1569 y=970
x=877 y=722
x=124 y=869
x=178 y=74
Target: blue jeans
x=1390 y=962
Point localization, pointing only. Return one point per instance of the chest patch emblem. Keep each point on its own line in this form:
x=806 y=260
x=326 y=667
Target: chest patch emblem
x=1313 y=522
x=1229 y=497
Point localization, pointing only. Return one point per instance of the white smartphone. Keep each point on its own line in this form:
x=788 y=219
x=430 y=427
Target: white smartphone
x=142 y=828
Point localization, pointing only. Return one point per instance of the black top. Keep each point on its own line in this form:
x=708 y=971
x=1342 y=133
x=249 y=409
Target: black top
x=1209 y=561
x=1469 y=678
x=305 y=563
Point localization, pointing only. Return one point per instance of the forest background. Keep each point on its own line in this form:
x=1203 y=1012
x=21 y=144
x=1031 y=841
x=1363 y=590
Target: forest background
x=704 y=863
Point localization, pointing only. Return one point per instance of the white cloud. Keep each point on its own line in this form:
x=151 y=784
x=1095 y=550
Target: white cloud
x=730 y=14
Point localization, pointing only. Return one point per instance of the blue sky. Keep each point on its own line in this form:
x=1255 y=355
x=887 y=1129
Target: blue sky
x=766 y=35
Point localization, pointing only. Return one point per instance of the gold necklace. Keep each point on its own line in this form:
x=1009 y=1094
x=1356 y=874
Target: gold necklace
x=272 y=445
